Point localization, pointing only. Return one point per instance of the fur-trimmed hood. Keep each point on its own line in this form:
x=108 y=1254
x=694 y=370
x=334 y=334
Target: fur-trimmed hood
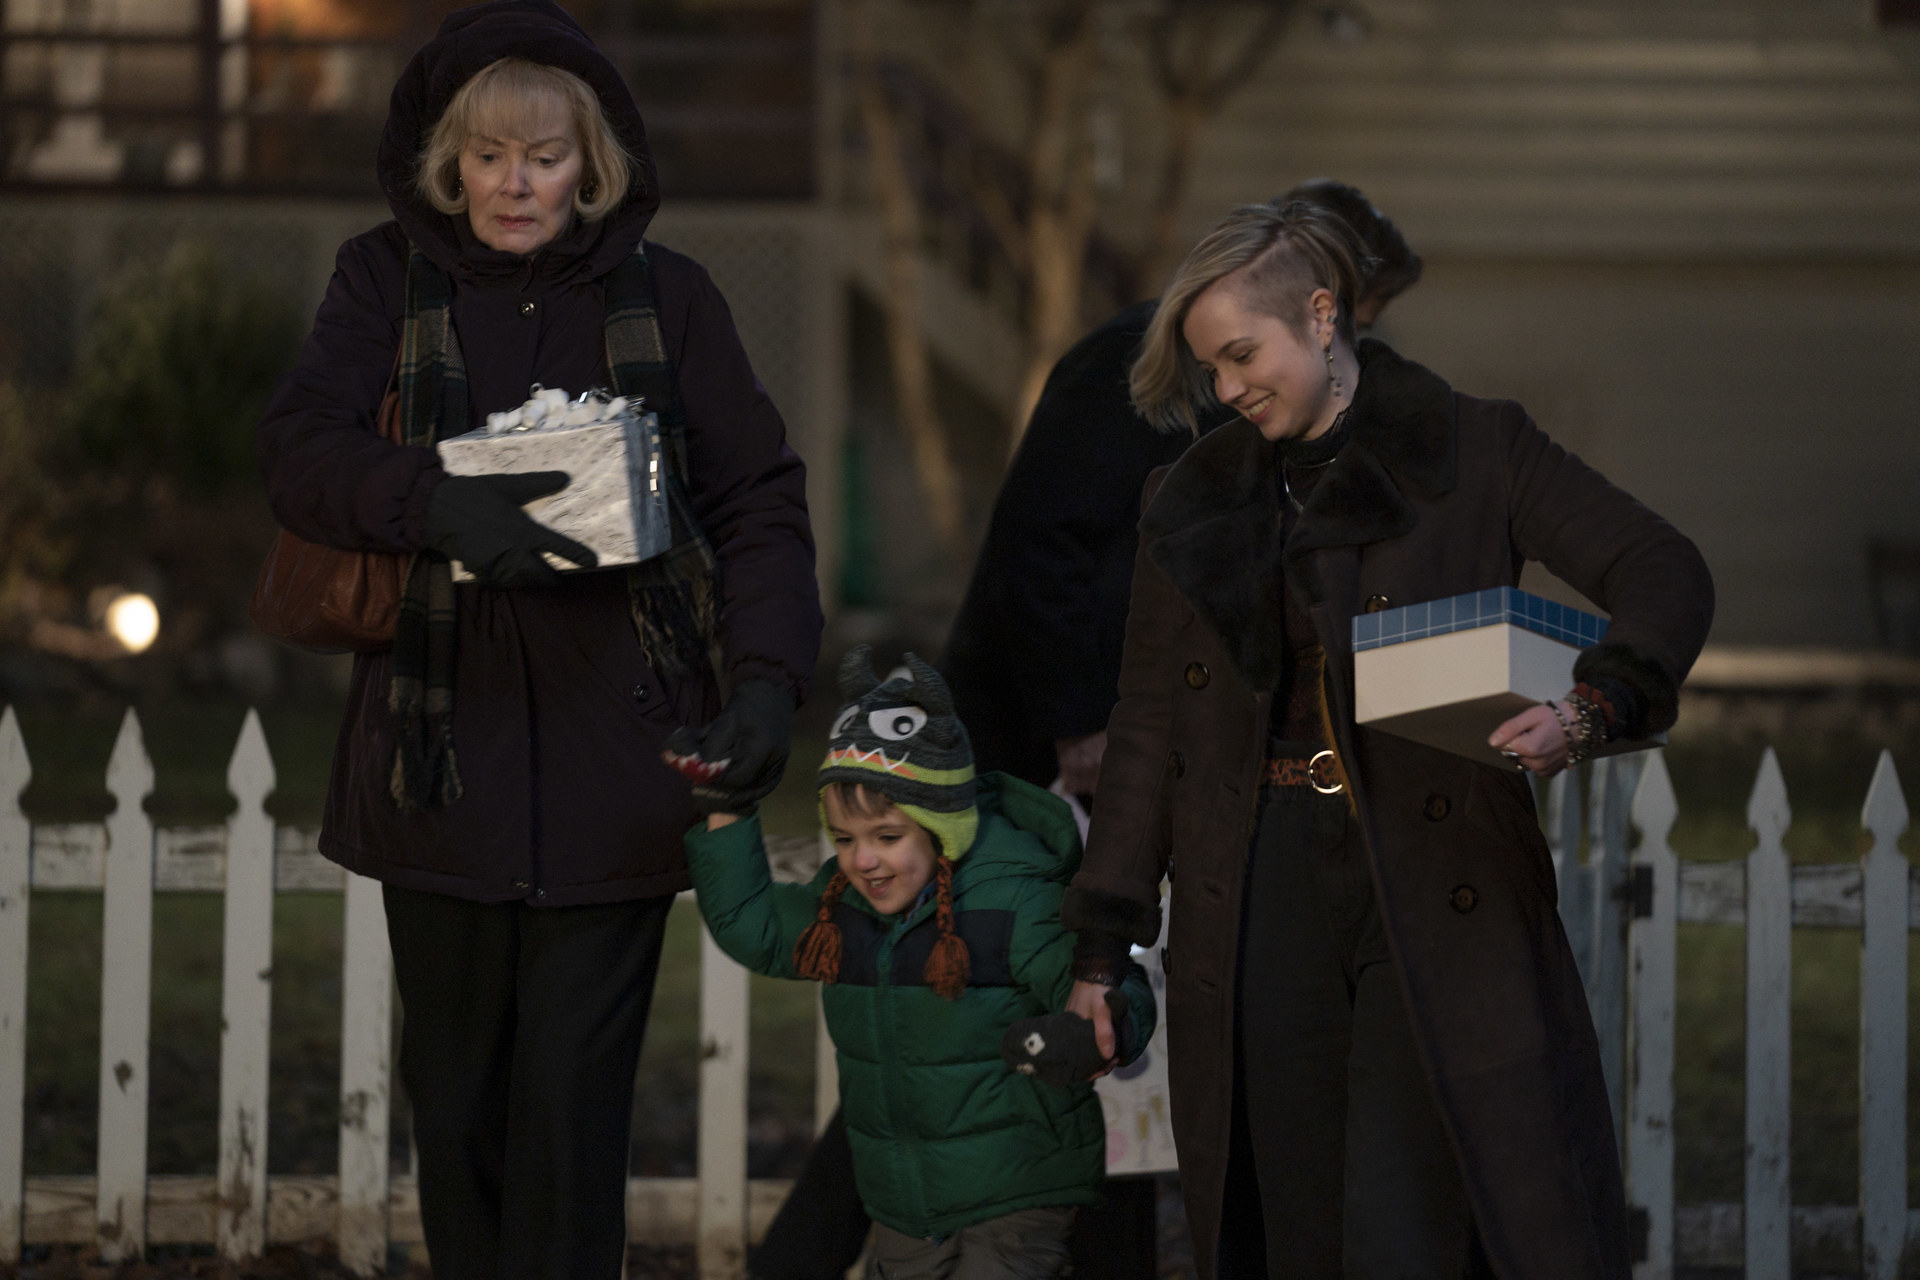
x=1214 y=526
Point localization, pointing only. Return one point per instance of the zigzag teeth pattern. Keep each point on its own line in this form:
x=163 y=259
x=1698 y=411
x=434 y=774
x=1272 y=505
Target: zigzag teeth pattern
x=879 y=753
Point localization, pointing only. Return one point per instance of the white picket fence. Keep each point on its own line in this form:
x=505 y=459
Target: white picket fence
x=1622 y=910
x=122 y=1209
x=1622 y=913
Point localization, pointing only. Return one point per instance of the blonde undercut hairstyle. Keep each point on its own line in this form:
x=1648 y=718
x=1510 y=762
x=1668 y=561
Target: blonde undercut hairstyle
x=1280 y=254
x=509 y=99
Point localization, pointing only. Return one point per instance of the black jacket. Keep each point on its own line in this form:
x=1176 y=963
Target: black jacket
x=1034 y=655
x=558 y=720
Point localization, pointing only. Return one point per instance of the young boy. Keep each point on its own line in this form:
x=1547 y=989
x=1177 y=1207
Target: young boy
x=951 y=935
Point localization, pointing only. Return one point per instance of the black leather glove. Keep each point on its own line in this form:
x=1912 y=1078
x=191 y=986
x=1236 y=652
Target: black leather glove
x=1059 y=1049
x=736 y=761
x=477 y=520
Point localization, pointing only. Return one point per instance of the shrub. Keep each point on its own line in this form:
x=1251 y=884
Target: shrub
x=176 y=365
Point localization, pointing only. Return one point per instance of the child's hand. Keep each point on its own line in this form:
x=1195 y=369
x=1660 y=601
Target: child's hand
x=715 y=821
x=1055 y=1048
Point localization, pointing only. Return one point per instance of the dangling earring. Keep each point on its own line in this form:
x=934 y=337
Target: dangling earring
x=459 y=188
x=589 y=189
x=1333 y=379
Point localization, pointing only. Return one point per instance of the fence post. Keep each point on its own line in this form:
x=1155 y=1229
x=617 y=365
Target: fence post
x=1576 y=881
x=1652 y=935
x=723 y=1114
x=826 y=1065
x=1610 y=794
x=126 y=985
x=1769 y=1206
x=1885 y=910
x=366 y=1035
x=16 y=867
x=246 y=999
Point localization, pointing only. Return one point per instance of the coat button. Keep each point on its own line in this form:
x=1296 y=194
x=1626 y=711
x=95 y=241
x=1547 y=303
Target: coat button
x=526 y=308
x=1197 y=675
x=639 y=693
x=519 y=886
x=1177 y=764
x=1376 y=603
x=1437 y=807
x=1464 y=898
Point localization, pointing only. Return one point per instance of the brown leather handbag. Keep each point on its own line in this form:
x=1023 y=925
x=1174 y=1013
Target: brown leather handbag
x=326 y=600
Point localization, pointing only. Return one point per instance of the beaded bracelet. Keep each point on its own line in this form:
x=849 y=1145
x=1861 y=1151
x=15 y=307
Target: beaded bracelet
x=1609 y=717
x=1593 y=722
x=1585 y=732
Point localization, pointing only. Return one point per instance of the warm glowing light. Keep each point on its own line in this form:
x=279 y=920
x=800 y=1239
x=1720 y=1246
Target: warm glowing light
x=134 y=621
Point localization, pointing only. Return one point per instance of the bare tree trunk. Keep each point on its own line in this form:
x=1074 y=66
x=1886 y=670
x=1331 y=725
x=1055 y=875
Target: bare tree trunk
x=903 y=268
x=1060 y=216
x=1185 y=116
x=1184 y=50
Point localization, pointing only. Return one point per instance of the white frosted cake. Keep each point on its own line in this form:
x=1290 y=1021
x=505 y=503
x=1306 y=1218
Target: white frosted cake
x=1447 y=673
x=614 y=502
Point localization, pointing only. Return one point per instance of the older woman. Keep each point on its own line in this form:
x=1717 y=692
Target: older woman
x=500 y=767
x=1381 y=1058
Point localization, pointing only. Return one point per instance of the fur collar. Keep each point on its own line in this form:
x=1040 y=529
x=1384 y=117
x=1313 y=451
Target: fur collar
x=1214 y=526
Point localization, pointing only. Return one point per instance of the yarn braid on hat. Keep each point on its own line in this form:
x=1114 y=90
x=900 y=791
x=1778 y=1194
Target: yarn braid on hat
x=900 y=738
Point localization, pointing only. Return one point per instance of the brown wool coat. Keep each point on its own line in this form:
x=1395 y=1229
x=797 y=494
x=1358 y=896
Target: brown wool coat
x=1436 y=494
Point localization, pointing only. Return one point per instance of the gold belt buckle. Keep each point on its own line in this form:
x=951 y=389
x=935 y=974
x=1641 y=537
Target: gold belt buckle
x=1325 y=765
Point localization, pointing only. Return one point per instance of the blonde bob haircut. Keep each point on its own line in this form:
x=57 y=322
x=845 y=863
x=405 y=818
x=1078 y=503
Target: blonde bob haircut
x=511 y=98
x=1280 y=254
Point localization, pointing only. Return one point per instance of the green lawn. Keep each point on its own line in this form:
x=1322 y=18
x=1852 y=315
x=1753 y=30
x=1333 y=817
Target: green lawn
x=63 y=1044
x=190 y=742
x=63 y=1033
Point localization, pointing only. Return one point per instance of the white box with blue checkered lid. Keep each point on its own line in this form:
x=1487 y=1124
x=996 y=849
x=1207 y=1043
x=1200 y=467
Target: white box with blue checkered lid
x=1449 y=672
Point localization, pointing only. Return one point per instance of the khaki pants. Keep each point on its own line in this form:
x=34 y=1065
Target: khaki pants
x=1029 y=1244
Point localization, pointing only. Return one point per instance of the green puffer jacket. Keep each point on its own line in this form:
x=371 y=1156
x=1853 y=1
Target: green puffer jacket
x=943 y=1133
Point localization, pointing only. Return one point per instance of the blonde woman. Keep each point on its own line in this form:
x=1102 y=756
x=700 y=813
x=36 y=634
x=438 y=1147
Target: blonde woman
x=500 y=765
x=1381 y=1057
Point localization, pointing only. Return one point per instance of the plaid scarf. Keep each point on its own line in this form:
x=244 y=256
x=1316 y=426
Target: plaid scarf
x=673 y=596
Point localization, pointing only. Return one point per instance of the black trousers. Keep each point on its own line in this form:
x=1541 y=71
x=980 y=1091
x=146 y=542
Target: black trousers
x=518 y=1052
x=1340 y=1165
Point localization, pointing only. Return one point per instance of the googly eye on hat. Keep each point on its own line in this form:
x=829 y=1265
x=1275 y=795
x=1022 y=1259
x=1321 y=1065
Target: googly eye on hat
x=900 y=737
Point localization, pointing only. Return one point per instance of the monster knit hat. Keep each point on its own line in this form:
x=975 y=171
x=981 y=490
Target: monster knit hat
x=901 y=738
